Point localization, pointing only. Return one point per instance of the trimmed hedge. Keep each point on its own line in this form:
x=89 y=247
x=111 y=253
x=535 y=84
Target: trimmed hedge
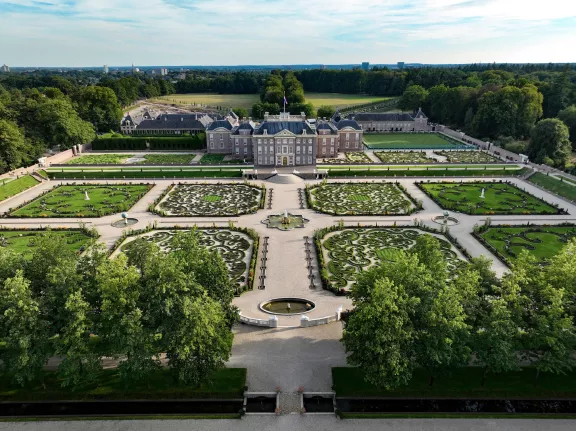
x=196 y=142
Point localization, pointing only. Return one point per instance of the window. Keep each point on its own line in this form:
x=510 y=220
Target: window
x=236 y=142
x=298 y=159
x=272 y=150
x=309 y=141
x=237 y=150
x=272 y=160
x=298 y=150
x=245 y=150
x=259 y=150
x=259 y=160
x=212 y=145
x=284 y=150
x=211 y=136
x=357 y=136
x=324 y=142
x=278 y=150
x=309 y=149
x=298 y=140
x=324 y=151
x=332 y=141
x=259 y=141
x=221 y=144
x=285 y=141
x=347 y=145
x=265 y=150
x=309 y=160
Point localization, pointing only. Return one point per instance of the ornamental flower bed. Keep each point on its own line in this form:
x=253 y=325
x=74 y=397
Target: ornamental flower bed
x=471 y=156
x=412 y=157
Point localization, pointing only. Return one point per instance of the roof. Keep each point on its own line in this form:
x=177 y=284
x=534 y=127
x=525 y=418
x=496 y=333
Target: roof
x=381 y=116
x=244 y=126
x=326 y=125
x=348 y=123
x=127 y=119
x=420 y=114
x=233 y=114
x=337 y=116
x=276 y=126
x=220 y=124
x=175 y=122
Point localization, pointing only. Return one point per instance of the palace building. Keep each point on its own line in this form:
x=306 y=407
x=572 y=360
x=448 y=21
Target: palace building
x=389 y=122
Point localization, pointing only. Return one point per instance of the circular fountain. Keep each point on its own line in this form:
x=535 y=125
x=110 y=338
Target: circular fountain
x=287 y=306
x=446 y=219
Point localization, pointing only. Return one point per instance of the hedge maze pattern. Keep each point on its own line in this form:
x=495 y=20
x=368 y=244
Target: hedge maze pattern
x=234 y=247
x=359 y=199
x=352 y=251
x=472 y=156
x=500 y=198
x=404 y=157
x=212 y=200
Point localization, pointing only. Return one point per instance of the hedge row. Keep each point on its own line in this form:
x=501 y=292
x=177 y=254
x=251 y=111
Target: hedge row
x=139 y=143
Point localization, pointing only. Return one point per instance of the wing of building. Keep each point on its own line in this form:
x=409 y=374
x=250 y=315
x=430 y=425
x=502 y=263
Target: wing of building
x=391 y=122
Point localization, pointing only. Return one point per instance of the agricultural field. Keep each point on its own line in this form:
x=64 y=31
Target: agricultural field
x=70 y=201
x=499 y=198
x=99 y=159
x=408 y=157
x=348 y=252
x=543 y=242
x=23 y=241
x=247 y=100
x=205 y=200
x=562 y=188
x=470 y=156
x=9 y=188
x=409 y=141
x=359 y=199
x=235 y=247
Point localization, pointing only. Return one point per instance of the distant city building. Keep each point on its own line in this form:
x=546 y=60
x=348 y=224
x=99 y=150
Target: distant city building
x=135 y=69
x=162 y=72
x=5 y=69
x=106 y=69
x=400 y=65
x=387 y=122
x=366 y=66
x=181 y=76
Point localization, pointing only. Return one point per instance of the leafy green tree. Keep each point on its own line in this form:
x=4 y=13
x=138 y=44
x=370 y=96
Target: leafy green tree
x=326 y=111
x=413 y=98
x=241 y=112
x=10 y=262
x=259 y=109
x=23 y=330
x=99 y=106
x=12 y=146
x=550 y=139
x=568 y=117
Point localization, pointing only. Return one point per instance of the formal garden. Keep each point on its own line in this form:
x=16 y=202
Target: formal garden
x=204 y=200
x=350 y=158
x=23 y=241
x=99 y=159
x=470 y=156
x=410 y=141
x=507 y=242
x=347 y=252
x=9 y=187
x=236 y=246
x=361 y=199
x=489 y=198
x=83 y=200
x=131 y=159
x=219 y=159
x=409 y=157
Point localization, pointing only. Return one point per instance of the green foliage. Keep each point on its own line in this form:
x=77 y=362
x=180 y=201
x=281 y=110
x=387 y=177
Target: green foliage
x=563 y=188
x=413 y=98
x=99 y=106
x=568 y=117
x=241 y=112
x=550 y=139
x=326 y=111
x=12 y=146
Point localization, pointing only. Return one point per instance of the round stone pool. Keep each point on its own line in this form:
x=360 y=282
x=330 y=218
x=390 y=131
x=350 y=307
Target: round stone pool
x=287 y=306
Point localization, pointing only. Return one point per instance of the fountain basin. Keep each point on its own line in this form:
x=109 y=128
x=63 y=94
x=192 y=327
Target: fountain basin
x=287 y=306
x=125 y=222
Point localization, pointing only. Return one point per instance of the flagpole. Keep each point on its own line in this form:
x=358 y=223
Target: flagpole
x=284 y=102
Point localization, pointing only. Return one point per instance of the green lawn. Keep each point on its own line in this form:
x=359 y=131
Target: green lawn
x=167 y=159
x=70 y=201
x=563 y=188
x=13 y=187
x=248 y=100
x=23 y=241
x=99 y=159
x=134 y=173
x=499 y=198
x=543 y=242
x=225 y=383
x=409 y=141
x=461 y=383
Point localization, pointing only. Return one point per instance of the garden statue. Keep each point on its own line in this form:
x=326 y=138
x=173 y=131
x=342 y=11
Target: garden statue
x=482 y=194
x=86 y=198
x=125 y=217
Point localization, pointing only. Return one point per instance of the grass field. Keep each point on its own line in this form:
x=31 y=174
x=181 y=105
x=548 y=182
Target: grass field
x=22 y=241
x=134 y=173
x=562 y=188
x=225 y=383
x=99 y=159
x=499 y=198
x=247 y=100
x=542 y=242
x=70 y=201
x=461 y=383
x=11 y=188
x=408 y=141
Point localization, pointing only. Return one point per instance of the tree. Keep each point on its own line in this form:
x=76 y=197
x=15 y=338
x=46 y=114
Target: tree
x=549 y=138
x=568 y=117
x=12 y=147
x=99 y=106
x=23 y=330
x=259 y=109
x=385 y=353
x=326 y=111
x=413 y=98
x=241 y=112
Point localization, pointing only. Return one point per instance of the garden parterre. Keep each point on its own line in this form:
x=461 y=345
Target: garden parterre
x=499 y=198
x=70 y=200
x=350 y=251
x=404 y=157
x=23 y=241
x=99 y=159
x=469 y=156
x=206 y=200
x=360 y=199
x=410 y=141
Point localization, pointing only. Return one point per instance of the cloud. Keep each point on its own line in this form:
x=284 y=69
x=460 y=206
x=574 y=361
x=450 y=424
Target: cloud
x=89 y=32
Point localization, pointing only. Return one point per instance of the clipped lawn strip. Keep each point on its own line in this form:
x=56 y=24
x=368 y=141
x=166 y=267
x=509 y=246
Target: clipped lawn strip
x=352 y=199
x=71 y=199
x=99 y=159
x=412 y=141
x=133 y=173
x=518 y=232
x=562 y=188
x=225 y=383
x=189 y=200
x=230 y=259
x=12 y=188
x=498 y=195
x=462 y=383
x=343 y=173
